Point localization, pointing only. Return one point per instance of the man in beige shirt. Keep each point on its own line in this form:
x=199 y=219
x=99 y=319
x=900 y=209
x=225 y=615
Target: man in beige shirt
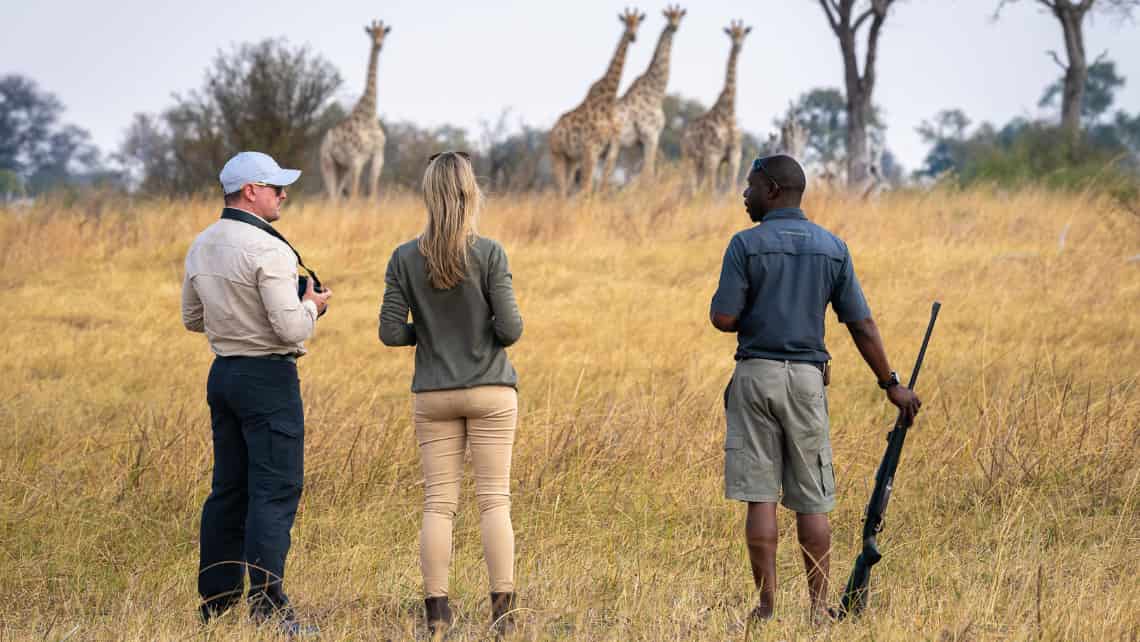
x=241 y=290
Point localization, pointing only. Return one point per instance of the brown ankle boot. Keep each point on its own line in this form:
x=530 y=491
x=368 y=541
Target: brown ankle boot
x=438 y=616
x=503 y=607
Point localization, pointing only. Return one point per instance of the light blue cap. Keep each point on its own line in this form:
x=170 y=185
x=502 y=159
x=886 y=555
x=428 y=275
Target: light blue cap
x=254 y=167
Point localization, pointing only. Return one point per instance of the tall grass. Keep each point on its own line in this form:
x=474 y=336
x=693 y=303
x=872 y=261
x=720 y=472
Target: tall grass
x=1014 y=514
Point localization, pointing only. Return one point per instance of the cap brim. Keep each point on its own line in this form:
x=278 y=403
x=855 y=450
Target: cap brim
x=285 y=177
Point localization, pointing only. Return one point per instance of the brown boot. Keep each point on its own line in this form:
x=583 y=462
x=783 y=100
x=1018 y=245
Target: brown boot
x=503 y=606
x=438 y=616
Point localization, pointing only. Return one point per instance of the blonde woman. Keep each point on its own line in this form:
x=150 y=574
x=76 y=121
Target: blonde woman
x=457 y=286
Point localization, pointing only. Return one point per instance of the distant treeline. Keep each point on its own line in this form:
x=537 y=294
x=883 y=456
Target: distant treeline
x=278 y=98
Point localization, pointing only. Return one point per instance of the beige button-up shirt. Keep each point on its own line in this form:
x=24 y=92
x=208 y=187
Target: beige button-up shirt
x=240 y=289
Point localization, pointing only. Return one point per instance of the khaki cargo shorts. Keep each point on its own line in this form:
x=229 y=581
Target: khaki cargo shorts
x=778 y=436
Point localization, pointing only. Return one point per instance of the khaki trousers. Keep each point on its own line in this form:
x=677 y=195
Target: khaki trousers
x=447 y=422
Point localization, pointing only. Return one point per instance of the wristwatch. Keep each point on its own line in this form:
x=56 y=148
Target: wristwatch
x=891 y=381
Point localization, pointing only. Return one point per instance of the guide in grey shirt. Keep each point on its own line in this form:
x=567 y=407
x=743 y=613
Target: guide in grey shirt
x=459 y=333
x=776 y=282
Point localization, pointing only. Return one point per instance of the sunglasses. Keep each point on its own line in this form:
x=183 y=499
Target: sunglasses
x=277 y=189
x=758 y=166
x=464 y=155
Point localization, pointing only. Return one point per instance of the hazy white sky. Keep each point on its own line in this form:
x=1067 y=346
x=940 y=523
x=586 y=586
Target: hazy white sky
x=463 y=62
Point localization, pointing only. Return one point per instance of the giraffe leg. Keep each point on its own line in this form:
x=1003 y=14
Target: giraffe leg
x=559 y=166
x=374 y=167
x=354 y=172
x=328 y=175
x=649 y=154
x=612 y=153
x=712 y=168
x=735 y=155
x=589 y=165
x=692 y=169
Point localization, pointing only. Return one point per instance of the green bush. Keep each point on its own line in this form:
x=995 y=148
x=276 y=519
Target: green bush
x=1026 y=153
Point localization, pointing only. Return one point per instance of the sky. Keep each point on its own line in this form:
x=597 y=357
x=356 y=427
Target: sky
x=465 y=62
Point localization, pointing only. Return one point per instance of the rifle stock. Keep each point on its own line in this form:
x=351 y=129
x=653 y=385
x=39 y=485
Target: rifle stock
x=855 y=593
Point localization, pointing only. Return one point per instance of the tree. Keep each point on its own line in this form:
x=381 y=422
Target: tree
x=679 y=112
x=513 y=159
x=147 y=156
x=267 y=96
x=34 y=145
x=1099 y=94
x=822 y=112
x=846 y=22
x=1071 y=14
x=946 y=135
x=1128 y=130
x=11 y=185
x=408 y=147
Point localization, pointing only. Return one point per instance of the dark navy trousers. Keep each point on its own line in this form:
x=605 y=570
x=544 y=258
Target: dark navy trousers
x=259 y=433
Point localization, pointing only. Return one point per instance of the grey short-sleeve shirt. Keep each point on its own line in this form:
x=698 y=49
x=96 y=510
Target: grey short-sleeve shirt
x=777 y=280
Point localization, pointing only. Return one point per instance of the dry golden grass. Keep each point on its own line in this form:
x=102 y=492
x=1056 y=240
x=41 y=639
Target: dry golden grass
x=1014 y=514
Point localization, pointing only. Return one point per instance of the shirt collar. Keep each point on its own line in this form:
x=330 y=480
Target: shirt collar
x=785 y=213
x=230 y=207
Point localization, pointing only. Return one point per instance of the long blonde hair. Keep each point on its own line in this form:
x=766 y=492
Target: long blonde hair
x=453 y=201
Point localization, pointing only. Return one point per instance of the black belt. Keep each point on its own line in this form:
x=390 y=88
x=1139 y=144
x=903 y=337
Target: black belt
x=291 y=358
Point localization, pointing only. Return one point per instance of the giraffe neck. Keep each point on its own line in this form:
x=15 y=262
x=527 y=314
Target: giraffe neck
x=366 y=107
x=656 y=78
x=605 y=89
x=726 y=103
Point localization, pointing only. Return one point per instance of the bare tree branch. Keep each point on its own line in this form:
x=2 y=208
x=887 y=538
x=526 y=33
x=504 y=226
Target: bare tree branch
x=1057 y=59
x=872 y=51
x=1000 y=6
x=861 y=19
x=831 y=19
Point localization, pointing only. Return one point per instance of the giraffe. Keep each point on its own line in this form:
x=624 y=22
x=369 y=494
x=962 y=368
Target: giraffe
x=580 y=136
x=639 y=113
x=359 y=138
x=713 y=138
x=793 y=137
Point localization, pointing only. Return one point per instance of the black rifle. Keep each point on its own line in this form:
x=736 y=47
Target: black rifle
x=855 y=595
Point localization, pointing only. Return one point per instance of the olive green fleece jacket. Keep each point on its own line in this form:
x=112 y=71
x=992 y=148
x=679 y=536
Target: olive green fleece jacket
x=460 y=334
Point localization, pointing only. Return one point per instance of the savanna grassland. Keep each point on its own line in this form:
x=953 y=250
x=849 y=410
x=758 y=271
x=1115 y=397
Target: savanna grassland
x=1014 y=513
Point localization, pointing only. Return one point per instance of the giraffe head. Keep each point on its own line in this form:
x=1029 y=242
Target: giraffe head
x=673 y=14
x=377 y=30
x=736 y=30
x=632 y=20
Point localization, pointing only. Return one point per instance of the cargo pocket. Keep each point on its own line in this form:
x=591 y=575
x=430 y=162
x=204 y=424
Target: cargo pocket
x=735 y=467
x=287 y=448
x=826 y=473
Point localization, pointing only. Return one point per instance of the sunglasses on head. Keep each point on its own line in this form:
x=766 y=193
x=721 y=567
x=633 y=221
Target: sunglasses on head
x=277 y=189
x=758 y=166
x=464 y=155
